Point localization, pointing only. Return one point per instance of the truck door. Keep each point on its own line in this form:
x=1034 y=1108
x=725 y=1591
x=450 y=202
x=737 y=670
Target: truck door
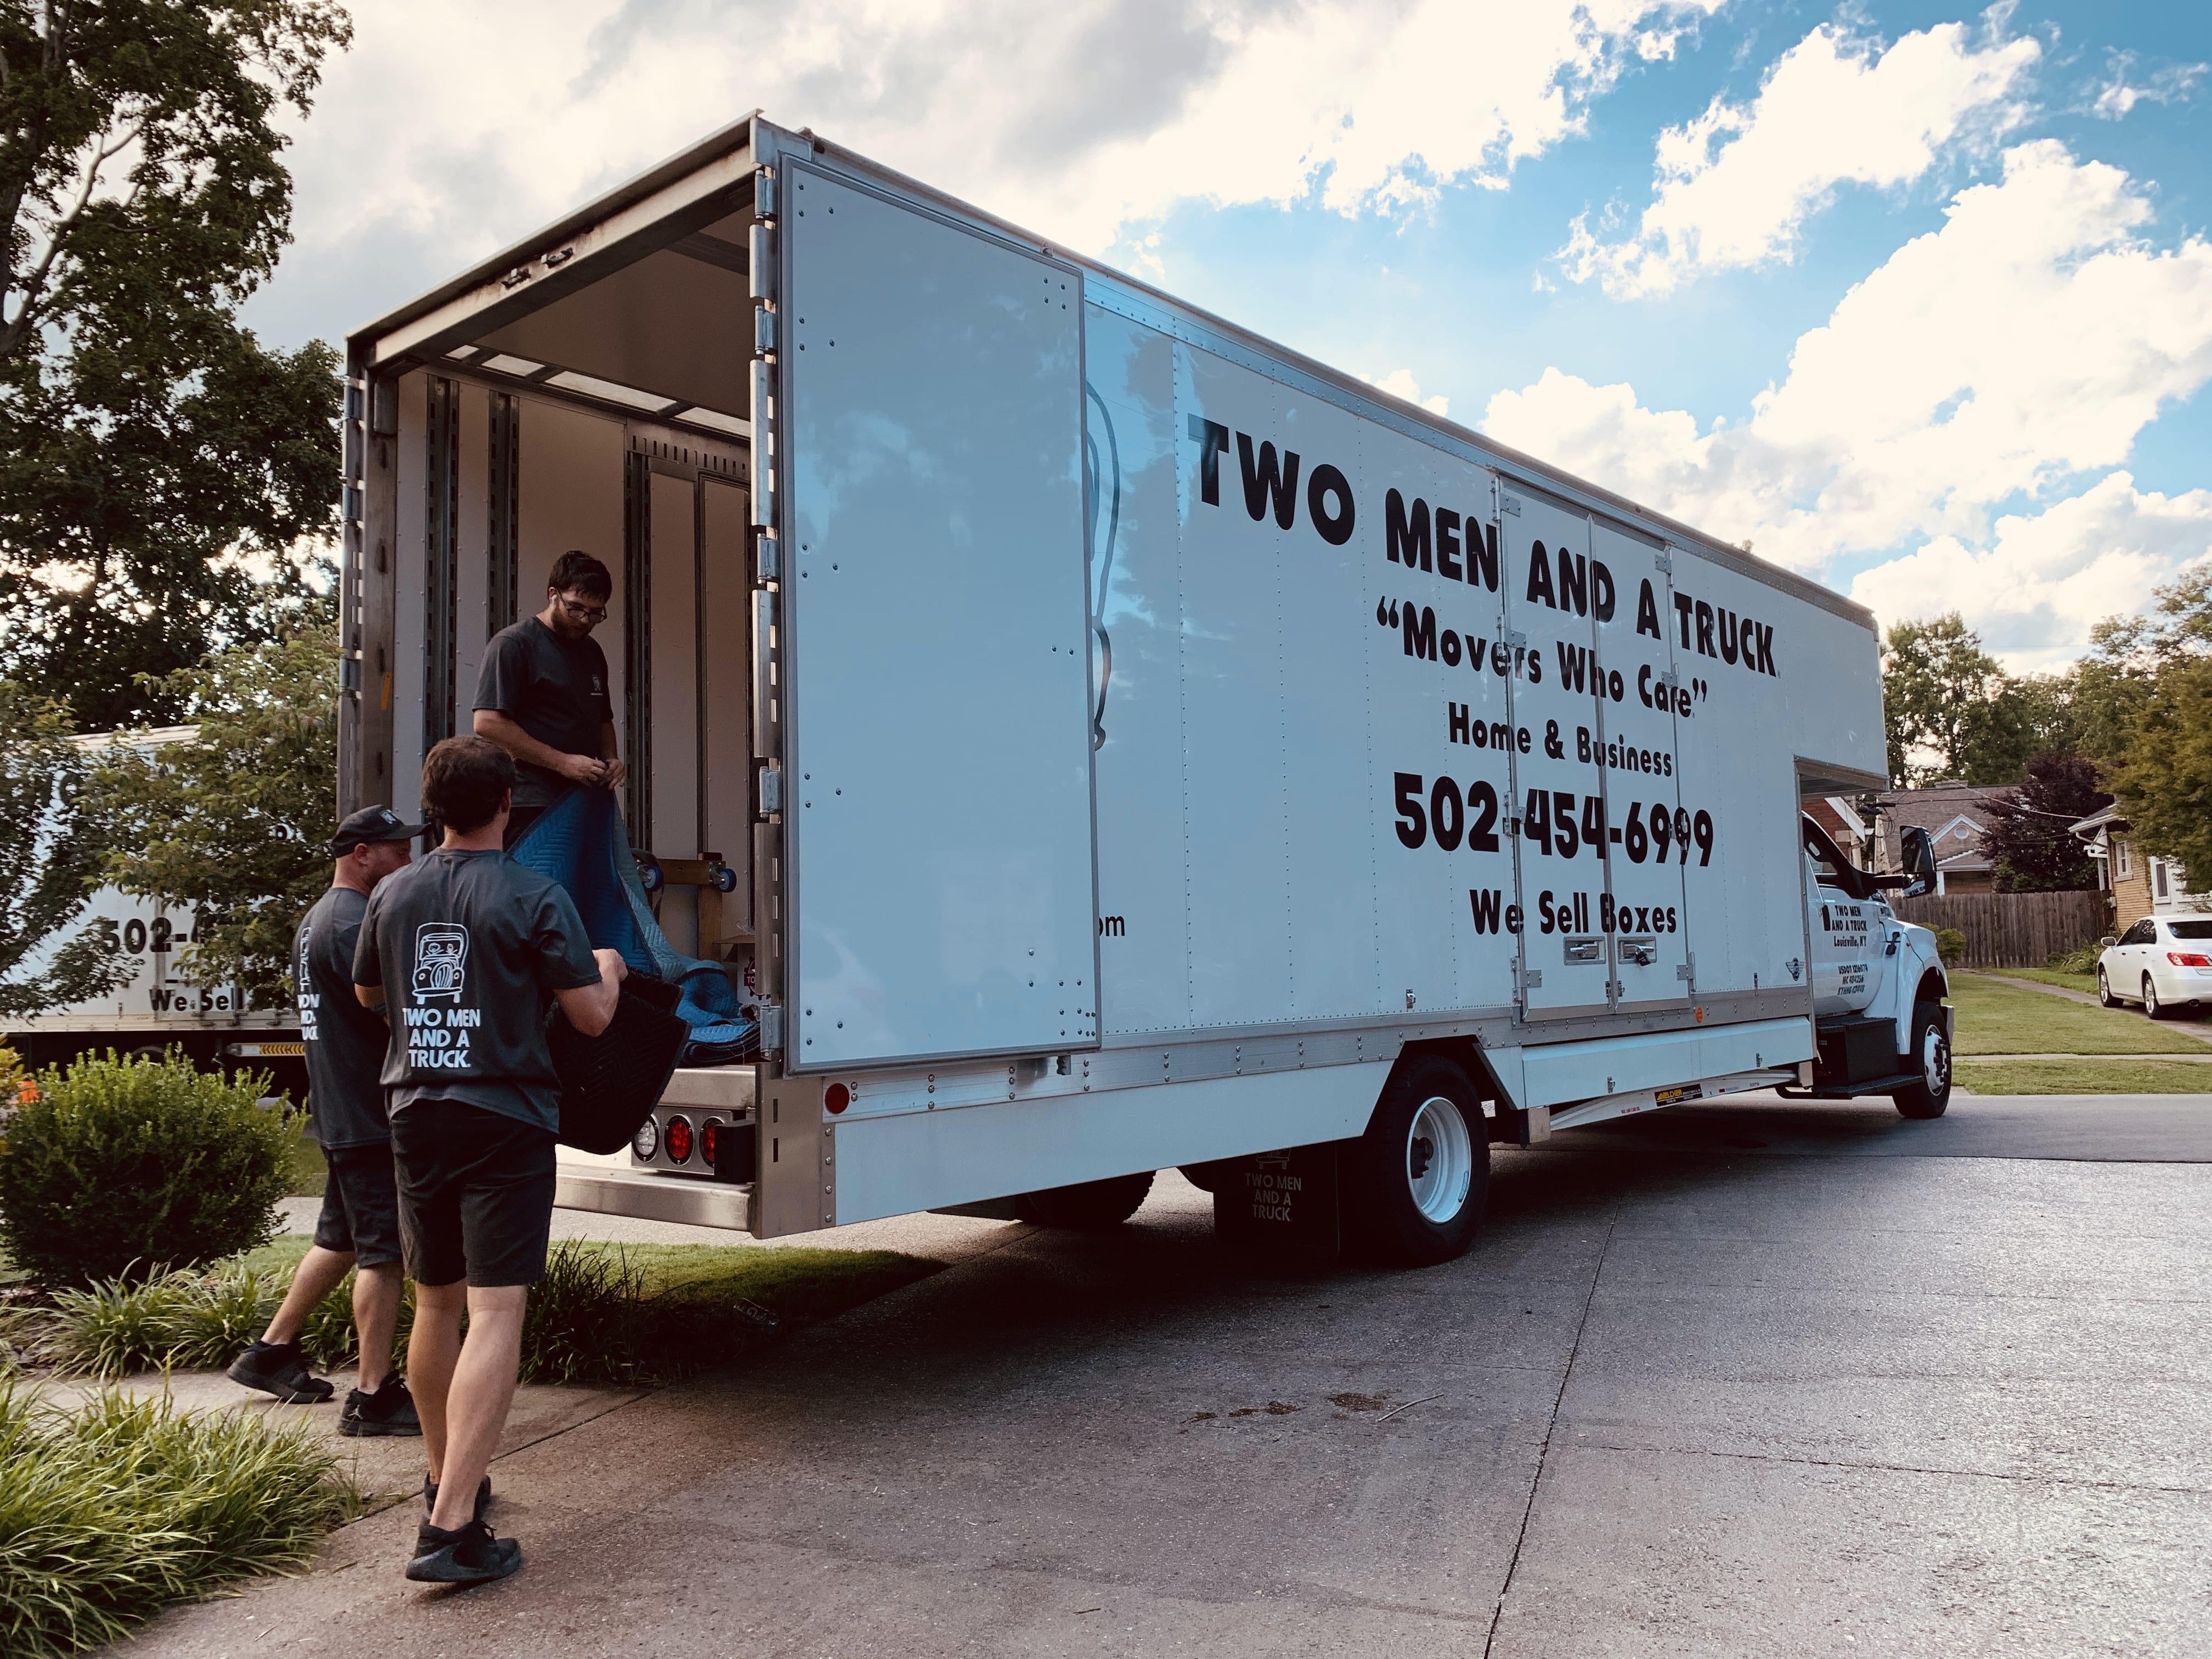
x=1647 y=832
x=1559 y=789
x=935 y=637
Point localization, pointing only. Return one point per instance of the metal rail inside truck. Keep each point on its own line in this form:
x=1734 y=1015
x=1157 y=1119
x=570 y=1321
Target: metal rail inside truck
x=1098 y=740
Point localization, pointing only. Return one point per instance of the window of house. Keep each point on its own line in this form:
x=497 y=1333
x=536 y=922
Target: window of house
x=2157 y=877
x=2122 y=863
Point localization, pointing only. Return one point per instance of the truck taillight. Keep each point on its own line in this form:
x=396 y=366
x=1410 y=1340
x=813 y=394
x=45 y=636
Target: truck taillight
x=679 y=1139
x=837 y=1098
x=710 y=1142
x=647 y=1142
x=2189 y=959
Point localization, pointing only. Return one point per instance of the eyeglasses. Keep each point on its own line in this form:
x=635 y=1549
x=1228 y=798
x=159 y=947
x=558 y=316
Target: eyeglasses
x=584 y=613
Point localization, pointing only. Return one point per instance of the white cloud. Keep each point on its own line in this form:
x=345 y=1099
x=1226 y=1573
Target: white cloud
x=2022 y=345
x=1737 y=185
x=1399 y=382
x=450 y=130
x=2118 y=94
x=2044 y=577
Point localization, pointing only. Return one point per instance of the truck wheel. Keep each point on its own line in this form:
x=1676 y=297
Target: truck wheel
x=2152 y=1006
x=1087 y=1206
x=1931 y=1056
x=2104 y=990
x=1416 y=1182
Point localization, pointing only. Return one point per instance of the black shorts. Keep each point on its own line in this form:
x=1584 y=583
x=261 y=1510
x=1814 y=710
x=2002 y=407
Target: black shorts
x=476 y=1194
x=361 y=1205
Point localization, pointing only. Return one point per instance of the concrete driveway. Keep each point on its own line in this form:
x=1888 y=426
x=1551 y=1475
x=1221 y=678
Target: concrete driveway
x=1758 y=1378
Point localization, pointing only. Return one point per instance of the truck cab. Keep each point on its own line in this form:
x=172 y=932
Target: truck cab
x=1878 y=984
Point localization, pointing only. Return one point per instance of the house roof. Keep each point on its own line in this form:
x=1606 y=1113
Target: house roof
x=2105 y=817
x=1941 y=809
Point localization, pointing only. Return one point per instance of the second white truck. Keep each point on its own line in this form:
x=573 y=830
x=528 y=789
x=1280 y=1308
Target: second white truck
x=1098 y=740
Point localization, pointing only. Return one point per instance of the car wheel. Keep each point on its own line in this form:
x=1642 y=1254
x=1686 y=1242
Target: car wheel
x=1087 y=1206
x=2104 y=990
x=2152 y=1006
x=1931 y=1093
x=1416 y=1183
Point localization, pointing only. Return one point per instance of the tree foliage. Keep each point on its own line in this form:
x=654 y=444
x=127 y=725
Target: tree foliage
x=1949 y=715
x=2034 y=849
x=234 y=823
x=154 y=455
x=49 y=862
x=2163 y=663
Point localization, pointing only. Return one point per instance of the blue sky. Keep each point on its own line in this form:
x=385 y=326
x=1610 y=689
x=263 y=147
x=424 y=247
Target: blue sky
x=1916 y=299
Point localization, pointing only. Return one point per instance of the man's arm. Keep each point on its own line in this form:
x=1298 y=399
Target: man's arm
x=616 y=771
x=501 y=728
x=591 y=1008
x=370 y=997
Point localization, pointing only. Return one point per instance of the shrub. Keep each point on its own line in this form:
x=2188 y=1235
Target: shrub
x=120 y=1167
x=111 y=1513
x=2082 y=960
x=1951 y=945
x=193 y=1321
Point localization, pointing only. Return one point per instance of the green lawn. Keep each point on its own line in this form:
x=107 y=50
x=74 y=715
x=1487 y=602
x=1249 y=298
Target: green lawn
x=2083 y=1077
x=2086 y=983
x=1996 y=1018
x=308 y=1171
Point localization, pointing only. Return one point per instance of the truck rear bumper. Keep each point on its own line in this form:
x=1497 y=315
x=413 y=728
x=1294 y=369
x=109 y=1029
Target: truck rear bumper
x=579 y=1185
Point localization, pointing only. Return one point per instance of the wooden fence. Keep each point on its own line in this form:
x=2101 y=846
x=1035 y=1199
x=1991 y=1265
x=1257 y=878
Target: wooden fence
x=2012 y=930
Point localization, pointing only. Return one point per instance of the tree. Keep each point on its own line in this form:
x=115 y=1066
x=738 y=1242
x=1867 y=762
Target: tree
x=2034 y=849
x=49 y=862
x=1942 y=695
x=154 y=455
x=234 y=823
x=2162 y=665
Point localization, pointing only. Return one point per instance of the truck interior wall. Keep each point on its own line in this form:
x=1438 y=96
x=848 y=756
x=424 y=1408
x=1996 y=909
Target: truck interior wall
x=472 y=547
x=409 y=579
x=570 y=495
x=726 y=625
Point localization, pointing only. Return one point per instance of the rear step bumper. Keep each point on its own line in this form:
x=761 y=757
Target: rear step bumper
x=648 y=1197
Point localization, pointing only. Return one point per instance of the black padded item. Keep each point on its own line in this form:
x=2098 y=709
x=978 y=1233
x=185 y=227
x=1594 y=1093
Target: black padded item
x=611 y=1083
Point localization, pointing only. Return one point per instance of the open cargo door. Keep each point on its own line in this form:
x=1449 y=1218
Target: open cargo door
x=936 y=648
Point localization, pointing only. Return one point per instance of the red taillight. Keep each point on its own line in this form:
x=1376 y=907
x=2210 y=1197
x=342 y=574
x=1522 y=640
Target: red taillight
x=837 y=1098
x=2189 y=959
x=680 y=1140
x=710 y=1142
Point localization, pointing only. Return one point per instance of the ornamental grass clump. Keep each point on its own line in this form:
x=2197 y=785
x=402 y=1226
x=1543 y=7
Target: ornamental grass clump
x=189 y=1321
x=122 y=1169
x=109 y=1512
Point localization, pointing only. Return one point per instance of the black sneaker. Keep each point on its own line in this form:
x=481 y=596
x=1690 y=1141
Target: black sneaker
x=390 y=1410
x=467 y=1555
x=431 y=1497
x=278 y=1368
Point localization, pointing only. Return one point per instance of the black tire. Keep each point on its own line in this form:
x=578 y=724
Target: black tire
x=1087 y=1206
x=2152 y=1006
x=1207 y=1177
x=2104 y=990
x=1388 y=1171
x=1932 y=1093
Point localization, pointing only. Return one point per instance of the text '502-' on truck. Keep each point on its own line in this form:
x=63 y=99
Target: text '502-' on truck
x=1098 y=740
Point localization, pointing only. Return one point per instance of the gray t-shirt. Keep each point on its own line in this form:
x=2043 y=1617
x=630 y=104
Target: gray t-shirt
x=345 y=1041
x=554 y=689
x=470 y=948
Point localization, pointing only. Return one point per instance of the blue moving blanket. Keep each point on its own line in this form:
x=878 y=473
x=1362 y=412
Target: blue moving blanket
x=580 y=841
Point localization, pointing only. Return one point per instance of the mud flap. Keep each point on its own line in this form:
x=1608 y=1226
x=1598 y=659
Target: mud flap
x=1282 y=1204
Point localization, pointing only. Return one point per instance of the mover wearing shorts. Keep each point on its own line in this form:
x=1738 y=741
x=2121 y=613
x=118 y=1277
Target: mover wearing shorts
x=476 y=1194
x=361 y=1205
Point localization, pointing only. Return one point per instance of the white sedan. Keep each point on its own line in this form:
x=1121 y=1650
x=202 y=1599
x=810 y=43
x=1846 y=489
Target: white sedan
x=2164 y=963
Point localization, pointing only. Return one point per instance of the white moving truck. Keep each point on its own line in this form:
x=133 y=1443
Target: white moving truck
x=1098 y=740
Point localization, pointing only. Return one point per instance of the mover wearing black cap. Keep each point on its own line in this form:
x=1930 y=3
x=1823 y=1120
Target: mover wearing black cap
x=359 y=1227
x=466 y=951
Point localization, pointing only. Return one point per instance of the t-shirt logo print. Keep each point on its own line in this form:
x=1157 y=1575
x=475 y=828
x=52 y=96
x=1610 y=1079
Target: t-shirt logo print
x=441 y=958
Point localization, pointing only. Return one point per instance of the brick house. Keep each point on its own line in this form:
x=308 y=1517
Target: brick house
x=1852 y=835
x=2136 y=884
x=1958 y=820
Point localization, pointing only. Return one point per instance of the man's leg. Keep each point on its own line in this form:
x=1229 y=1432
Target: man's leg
x=319 y=1273
x=472 y=1406
x=434 y=1349
x=376 y=1292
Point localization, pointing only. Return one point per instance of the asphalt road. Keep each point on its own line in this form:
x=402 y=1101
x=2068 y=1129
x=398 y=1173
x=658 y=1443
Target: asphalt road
x=1754 y=1378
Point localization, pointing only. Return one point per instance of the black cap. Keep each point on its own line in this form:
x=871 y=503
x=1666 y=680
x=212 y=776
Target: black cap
x=372 y=823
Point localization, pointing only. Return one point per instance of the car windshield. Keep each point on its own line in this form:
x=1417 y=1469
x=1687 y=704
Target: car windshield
x=2190 y=929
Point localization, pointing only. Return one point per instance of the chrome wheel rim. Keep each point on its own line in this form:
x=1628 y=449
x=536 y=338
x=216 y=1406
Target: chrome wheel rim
x=2150 y=996
x=1935 y=1063
x=1439 y=1159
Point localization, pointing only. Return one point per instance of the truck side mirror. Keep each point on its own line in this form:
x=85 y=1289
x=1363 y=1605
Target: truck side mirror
x=1919 y=860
